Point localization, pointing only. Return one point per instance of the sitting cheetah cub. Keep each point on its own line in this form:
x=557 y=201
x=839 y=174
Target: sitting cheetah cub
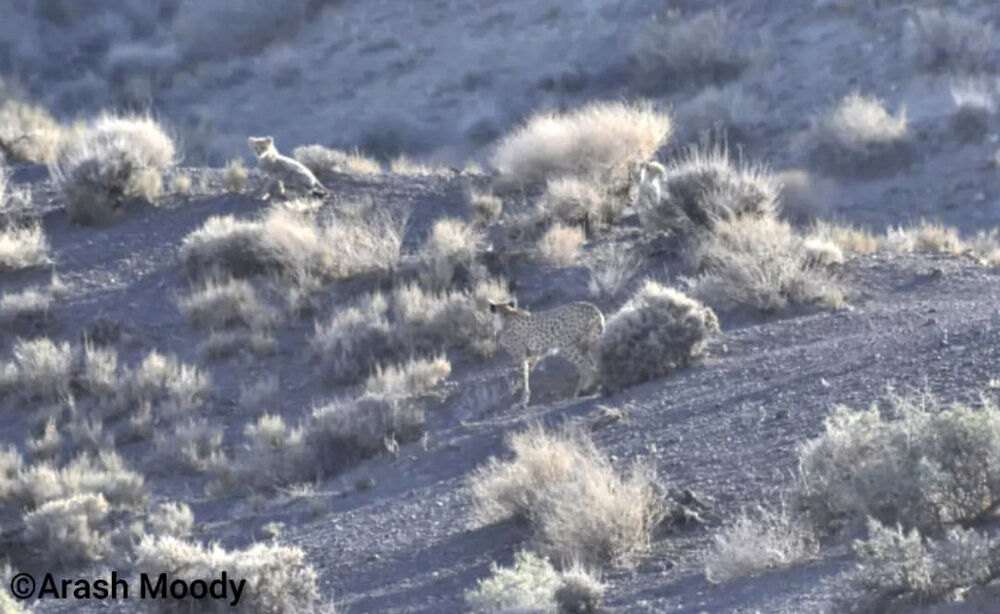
x=572 y=330
x=282 y=171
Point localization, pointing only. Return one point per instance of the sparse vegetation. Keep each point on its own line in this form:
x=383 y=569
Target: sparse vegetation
x=23 y=247
x=408 y=167
x=27 y=304
x=859 y=138
x=755 y=543
x=599 y=140
x=28 y=133
x=580 y=201
x=66 y=529
x=763 y=263
x=561 y=244
x=117 y=159
x=941 y=40
x=672 y=49
x=529 y=585
x=450 y=253
x=235 y=175
x=658 y=331
x=704 y=188
x=486 y=207
x=413 y=379
x=220 y=303
x=975 y=102
x=320 y=159
x=579 y=506
x=279 y=580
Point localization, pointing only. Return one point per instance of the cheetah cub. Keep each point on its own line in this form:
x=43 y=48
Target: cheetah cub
x=572 y=330
x=282 y=171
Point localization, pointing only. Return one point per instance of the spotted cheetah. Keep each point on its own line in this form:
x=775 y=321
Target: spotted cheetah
x=571 y=330
x=281 y=170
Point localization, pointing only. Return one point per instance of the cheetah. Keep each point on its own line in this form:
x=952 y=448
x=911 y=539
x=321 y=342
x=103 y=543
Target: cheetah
x=281 y=170
x=572 y=330
x=649 y=178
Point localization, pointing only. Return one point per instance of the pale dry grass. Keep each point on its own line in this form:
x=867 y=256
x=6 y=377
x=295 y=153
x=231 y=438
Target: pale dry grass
x=759 y=542
x=23 y=247
x=859 y=137
x=29 y=303
x=416 y=378
x=583 y=201
x=217 y=303
x=850 y=239
x=561 y=245
x=450 y=251
x=409 y=167
x=486 y=207
x=234 y=175
x=320 y=159
x=117 y=159
x=597 y=140
x=581 y=508
x=29 y=134
x=762 y=263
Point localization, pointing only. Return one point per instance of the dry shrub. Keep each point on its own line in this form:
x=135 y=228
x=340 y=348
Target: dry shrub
x=561 y=244
x=27 y=304
x=656 y=332
x=943 y=40
x=235 y=175
x=611 y=269
x=23 y=247
x=805 y=197
x=762 y=263
x=754 y=544
x=413 y=379
x=450 y=252
x=975 y=102
x=40 y=369
x=217 y=303
x=900 y=571
x=671 y=50
x=104 y=474
x=580 y=507
x=529 y=585
x=293 y=244
x=859 y=138
x=921 y=465
x=171 y=519
x=406 y=166
x=28 y=134
x=485 y=207
x=117 y=159
x=320 y=159
x=848 y=238
x=278 y=579
x=925 y=236
x=580 y=201
x=703 y=188
x=357 y=339
x=67 y=531
x=599 y=140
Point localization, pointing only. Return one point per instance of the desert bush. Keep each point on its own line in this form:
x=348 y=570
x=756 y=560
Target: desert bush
x=28 y=134
x=293 y=244
x=848 y=238
x=897 y=571
x=164 y=379
x=485 y=207
x=357 y=339
x=580 y=201
x=580 y=591
x=171 y=519
x=403 y=165
x=217 y=303
x=320 y=159
x=859 y=138
x=363 y=427
x=234 y=175
x=561 y=244
x=580 y=507
x=610 y=269
x=104 y=474
x=672 y=50
x=657 y=331
x=703 y=187
x=752 y=544
x=805 y=197
x=40 y=369
x=528 y=585
x=279 y=581
x=450 y=251
x=975 y=102
x=921 y=465
x=193 y=446
x=944 y=40
x=67 y=531
x=762 y=263
x=732 y=109
x=600 y=140
x=29 y=303
x=415 y=378
x=925 y=236
x=23 y=247
x=117 y=159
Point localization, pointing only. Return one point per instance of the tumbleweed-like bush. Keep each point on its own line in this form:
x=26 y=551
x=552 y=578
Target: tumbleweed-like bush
x=656 y=332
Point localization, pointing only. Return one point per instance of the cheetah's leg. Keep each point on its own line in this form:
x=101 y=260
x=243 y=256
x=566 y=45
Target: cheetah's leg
x=525 y=385
x=586 y=368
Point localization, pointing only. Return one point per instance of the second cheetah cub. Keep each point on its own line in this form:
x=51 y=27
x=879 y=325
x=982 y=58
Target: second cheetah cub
x=572 y=330
x=282 y=171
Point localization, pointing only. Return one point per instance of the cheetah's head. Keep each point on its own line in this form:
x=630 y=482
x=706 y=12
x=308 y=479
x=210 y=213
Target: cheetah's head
x=508 y=308
x=260 y=144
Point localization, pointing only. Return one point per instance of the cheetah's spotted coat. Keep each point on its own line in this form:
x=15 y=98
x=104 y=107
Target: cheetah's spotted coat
x=572 y=330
